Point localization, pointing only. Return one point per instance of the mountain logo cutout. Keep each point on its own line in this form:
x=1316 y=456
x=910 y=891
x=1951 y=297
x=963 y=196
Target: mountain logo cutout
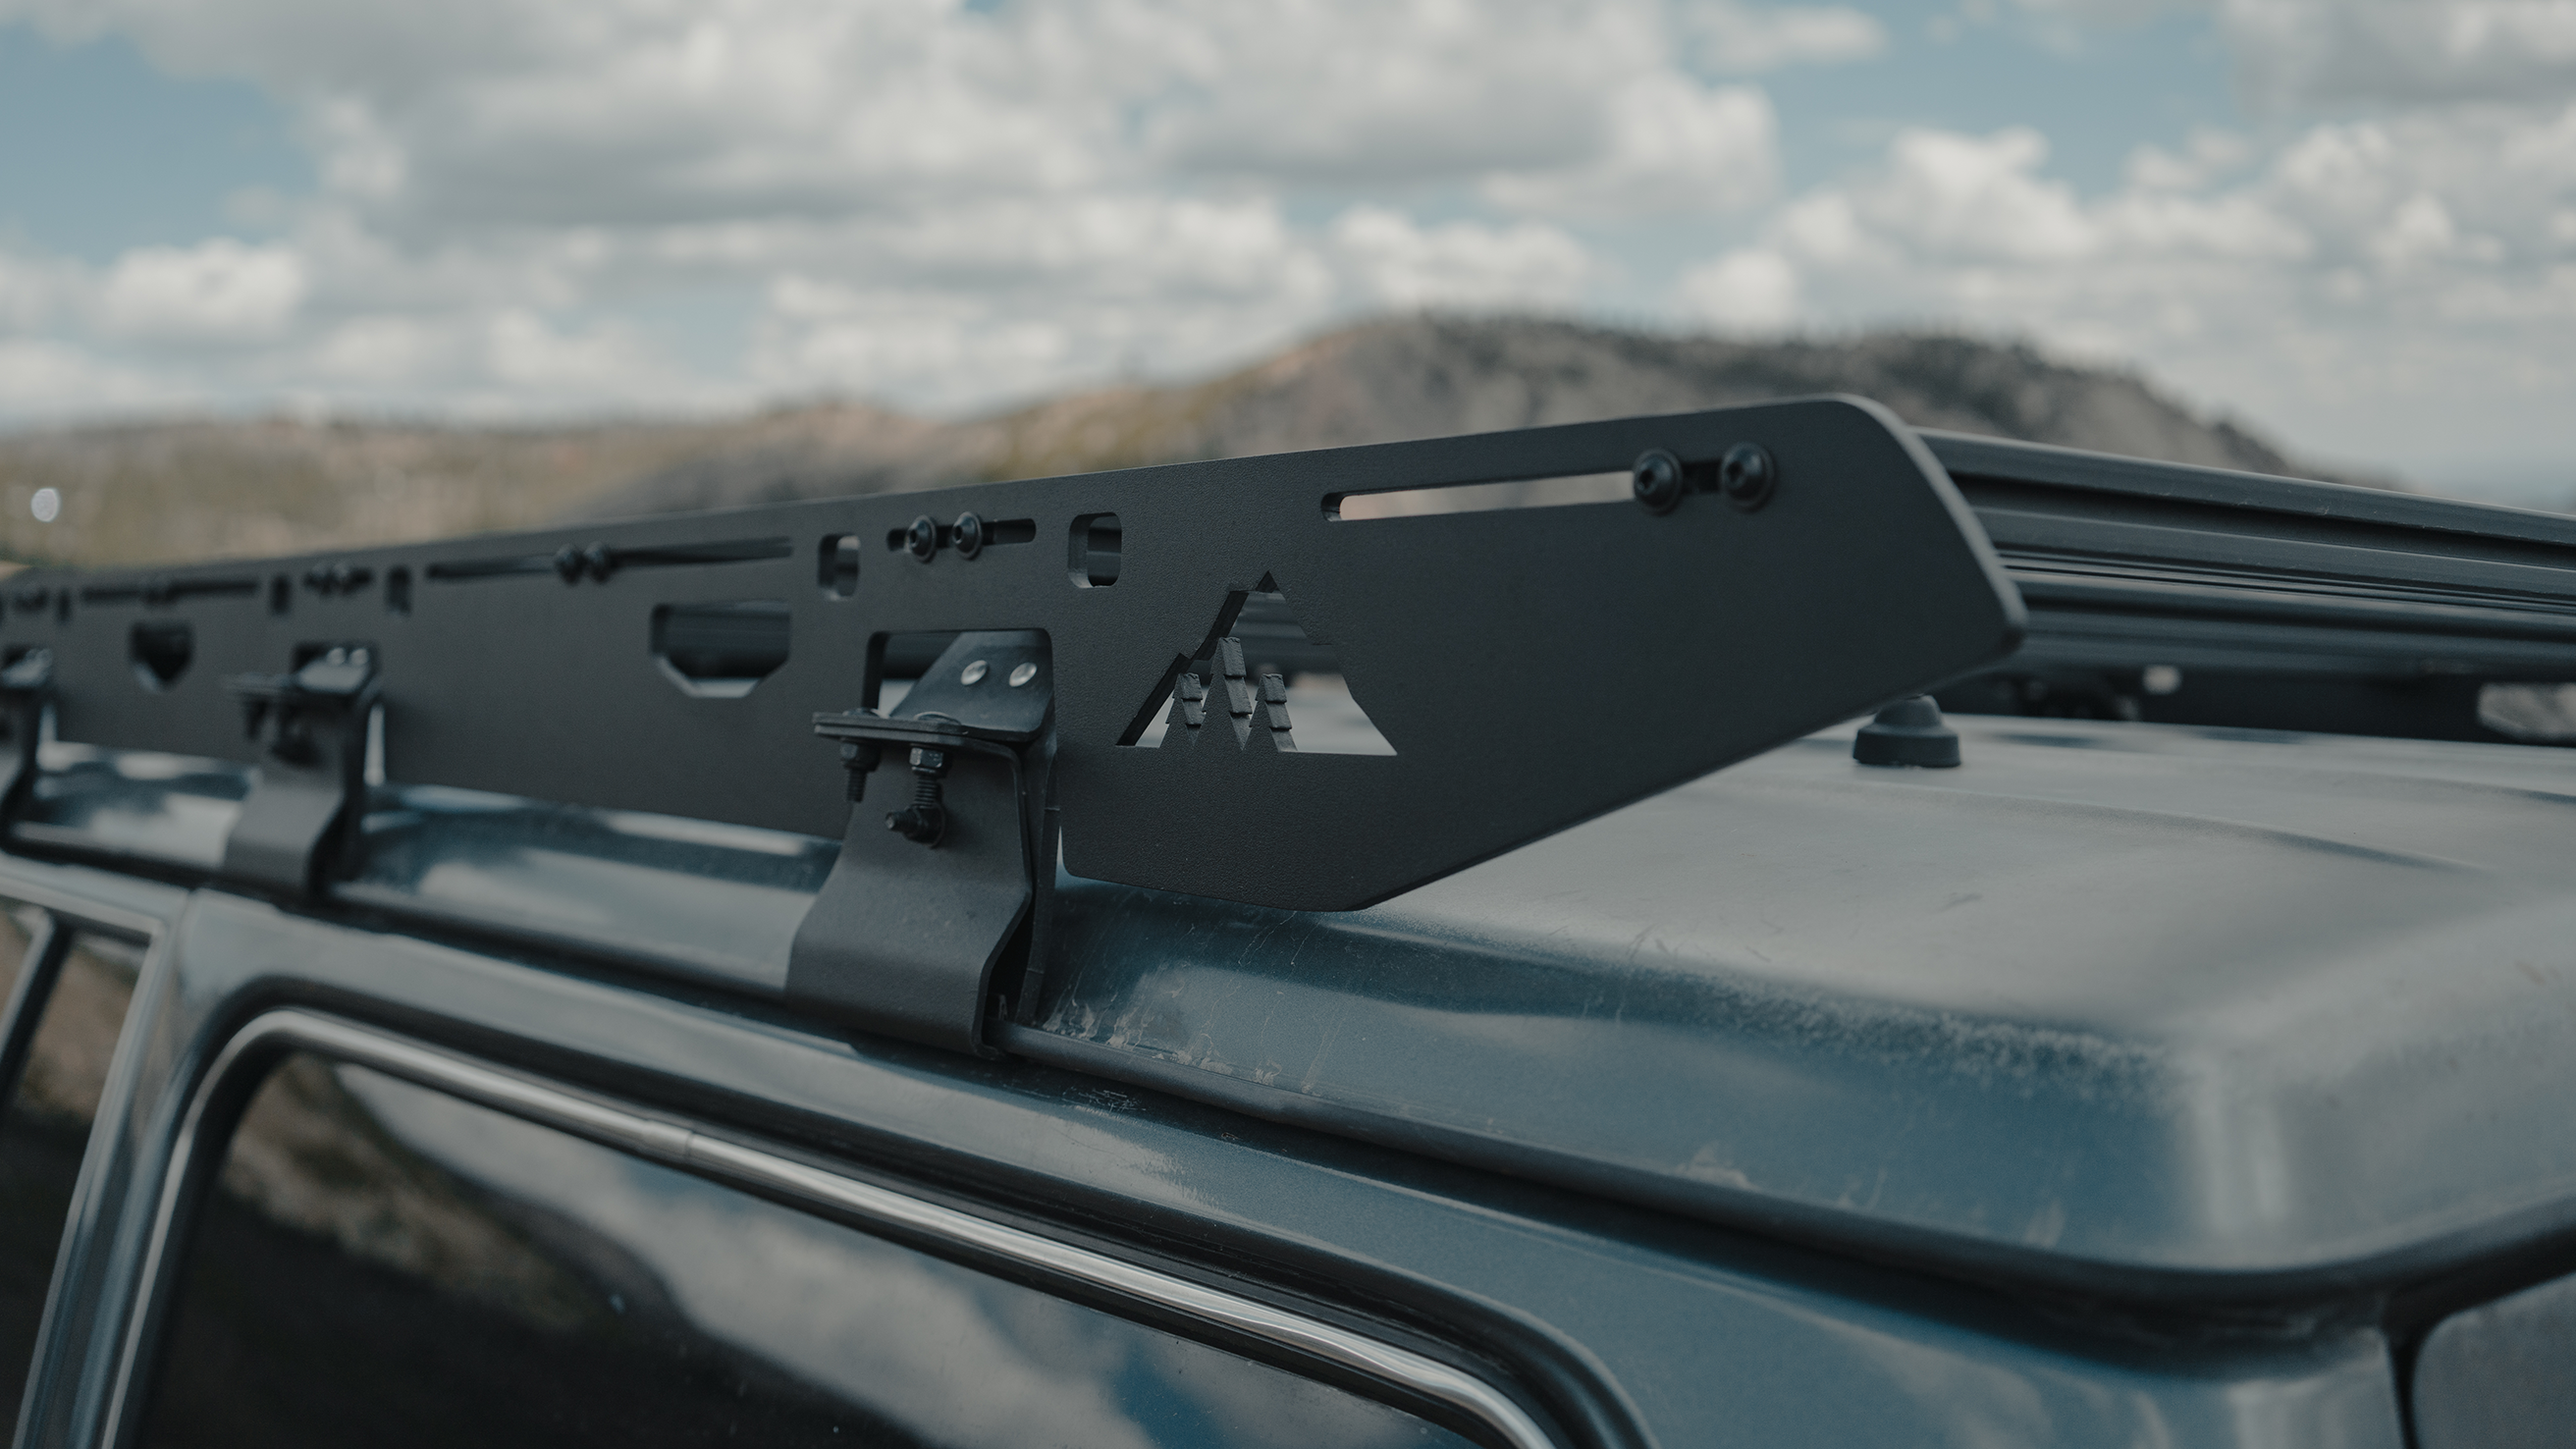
x=1237 y=690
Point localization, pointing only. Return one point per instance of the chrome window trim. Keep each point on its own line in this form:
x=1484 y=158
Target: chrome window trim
x=682 y=1145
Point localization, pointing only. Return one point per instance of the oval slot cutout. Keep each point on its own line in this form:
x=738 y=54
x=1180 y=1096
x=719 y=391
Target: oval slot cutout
x=161 y=650
x=1481 y=497
x=720 y=651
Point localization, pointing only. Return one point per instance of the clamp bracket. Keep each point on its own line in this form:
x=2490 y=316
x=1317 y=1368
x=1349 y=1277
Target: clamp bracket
x=26 y=691
x=299 y=824
x=932 y=918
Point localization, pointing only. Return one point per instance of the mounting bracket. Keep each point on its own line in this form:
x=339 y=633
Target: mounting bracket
x=927 y=924
x=300 y=820
x=26 y=689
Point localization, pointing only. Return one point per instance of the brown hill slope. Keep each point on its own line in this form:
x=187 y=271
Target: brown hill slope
x=141 y=493
x=1419 y=377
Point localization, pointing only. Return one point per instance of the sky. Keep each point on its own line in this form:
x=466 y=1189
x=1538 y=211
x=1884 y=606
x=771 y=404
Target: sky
x=2352 y=224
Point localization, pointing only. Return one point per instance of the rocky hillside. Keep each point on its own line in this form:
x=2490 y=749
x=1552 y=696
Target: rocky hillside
x=186 y=490
x=1421 y=377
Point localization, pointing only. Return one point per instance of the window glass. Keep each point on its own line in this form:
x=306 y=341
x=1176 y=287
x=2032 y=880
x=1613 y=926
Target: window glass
x=47 y=1123
x=387 y=1265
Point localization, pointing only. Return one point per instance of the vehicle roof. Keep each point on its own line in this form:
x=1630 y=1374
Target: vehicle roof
x=2145 y=1006
x=2151 y=1009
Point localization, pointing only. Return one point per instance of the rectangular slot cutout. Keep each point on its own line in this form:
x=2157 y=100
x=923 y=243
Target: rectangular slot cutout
x=1094 y=548
x=836 y=565
x=1481 y=497
x=720 y=651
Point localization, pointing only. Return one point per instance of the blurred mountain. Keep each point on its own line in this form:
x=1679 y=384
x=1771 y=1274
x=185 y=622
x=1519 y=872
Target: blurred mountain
x=164 y=492
x=1423 y=377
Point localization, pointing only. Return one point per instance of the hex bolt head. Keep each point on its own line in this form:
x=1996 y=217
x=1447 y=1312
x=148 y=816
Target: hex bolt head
x=922 y=539
x=969 y=535
x=1746 y=476
x=1656 y=477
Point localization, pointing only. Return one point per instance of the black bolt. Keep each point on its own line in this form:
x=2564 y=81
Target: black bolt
x=343 y=578
x=1657 y=478
x=922 y=539
x=970 y=535
x=926 y=819
x=601 y=560
x=1746 y=476
x=859 y=758
x=569 y=563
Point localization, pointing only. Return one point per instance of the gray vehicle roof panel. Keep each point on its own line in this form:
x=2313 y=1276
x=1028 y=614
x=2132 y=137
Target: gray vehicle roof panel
x=2133 y=1000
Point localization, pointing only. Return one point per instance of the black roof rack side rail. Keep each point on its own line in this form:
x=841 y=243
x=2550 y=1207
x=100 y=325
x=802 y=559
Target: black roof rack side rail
x=1531 y=667
x=2325 y=604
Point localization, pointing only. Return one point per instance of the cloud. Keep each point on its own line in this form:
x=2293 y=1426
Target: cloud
x=216 y=291
x=916 y=200
x=1396 y=90
x=1397 y=263
x=33 y=288
x=1978 y=197
x=524 y=209
x=1671 y=146
x=1739 y=39
x=2294 y=53
x=1750 y=290
x=2363 y=277
x=40 y=377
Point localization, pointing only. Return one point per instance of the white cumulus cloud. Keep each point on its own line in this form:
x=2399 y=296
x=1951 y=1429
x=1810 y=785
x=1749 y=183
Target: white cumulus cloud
x=1671 y=145
x=2307 y=52
x=219 y=290
x=1748 y=290
x=1747 y=39
x=1397 y=263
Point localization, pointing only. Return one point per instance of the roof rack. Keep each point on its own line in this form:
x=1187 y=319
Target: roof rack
x=1098 y=664
x=2260 y=602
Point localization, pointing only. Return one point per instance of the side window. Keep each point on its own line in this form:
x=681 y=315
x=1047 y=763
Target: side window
x=60 y=1070
x=385 y=1264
